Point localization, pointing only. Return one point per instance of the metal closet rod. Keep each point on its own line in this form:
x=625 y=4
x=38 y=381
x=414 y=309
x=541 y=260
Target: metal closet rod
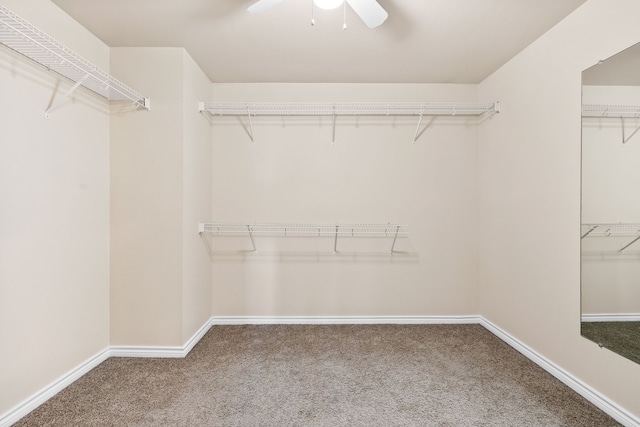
x=389 y=230
x=28 y=40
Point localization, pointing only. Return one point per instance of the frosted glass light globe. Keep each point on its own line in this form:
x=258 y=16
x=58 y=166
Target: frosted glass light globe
x=328 y=4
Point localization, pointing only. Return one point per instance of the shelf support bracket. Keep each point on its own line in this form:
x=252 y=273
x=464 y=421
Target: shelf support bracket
x=146 y=103
x=250 y=130
x=203 y=110
x=395 y=237
x=626 y=139
x=333 y=137
x=253 y=244
x=206 y=243
x=66 y=96
x=588 y=232
x=417 y=134
x=335 y=241
x=629 y=244
x=495 y=110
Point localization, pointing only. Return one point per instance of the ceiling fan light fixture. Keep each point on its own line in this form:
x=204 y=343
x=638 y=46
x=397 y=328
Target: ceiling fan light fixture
x=328 y=4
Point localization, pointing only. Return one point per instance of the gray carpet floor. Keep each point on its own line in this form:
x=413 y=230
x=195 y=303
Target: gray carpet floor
x=337 y=375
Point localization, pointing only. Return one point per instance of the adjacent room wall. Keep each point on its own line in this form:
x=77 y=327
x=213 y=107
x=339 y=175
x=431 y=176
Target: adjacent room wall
x=54 y=234
x=529 y=169
x=372 y=174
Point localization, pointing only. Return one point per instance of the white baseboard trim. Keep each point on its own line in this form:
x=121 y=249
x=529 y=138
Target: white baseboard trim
x=161 y=351
x=37 y=399
x=342 y=320
x=609 y=407
x=611 y=317
x=150 y=351
x=22 y=409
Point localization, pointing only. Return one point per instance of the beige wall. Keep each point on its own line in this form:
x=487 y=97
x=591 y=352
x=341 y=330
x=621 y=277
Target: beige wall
x=196 y=199
x=529 y=169
x=160 y=189
x=146 y=201
x=54 y=210
x=373 y=174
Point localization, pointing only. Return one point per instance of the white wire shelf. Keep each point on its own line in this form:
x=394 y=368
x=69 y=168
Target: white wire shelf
x=349 y=108
x=610 y=111
x=610 y=237
x=292 y=230
x=337 y=109
x=26 y=39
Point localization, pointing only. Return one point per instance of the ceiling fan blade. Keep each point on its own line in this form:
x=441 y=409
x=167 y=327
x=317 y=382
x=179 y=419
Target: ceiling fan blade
x=369 y=11
x=262 y=5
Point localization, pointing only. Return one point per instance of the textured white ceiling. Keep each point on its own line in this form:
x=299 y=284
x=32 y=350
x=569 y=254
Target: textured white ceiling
x=422 y=41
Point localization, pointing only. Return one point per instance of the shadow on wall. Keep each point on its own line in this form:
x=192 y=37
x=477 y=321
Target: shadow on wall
x=32 y=72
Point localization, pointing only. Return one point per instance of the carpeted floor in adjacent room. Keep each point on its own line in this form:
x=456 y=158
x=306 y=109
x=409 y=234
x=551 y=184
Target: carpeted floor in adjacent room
x=620 y=337
x=325 y=375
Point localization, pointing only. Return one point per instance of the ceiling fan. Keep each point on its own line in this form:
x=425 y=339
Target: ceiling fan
x=370 y=11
